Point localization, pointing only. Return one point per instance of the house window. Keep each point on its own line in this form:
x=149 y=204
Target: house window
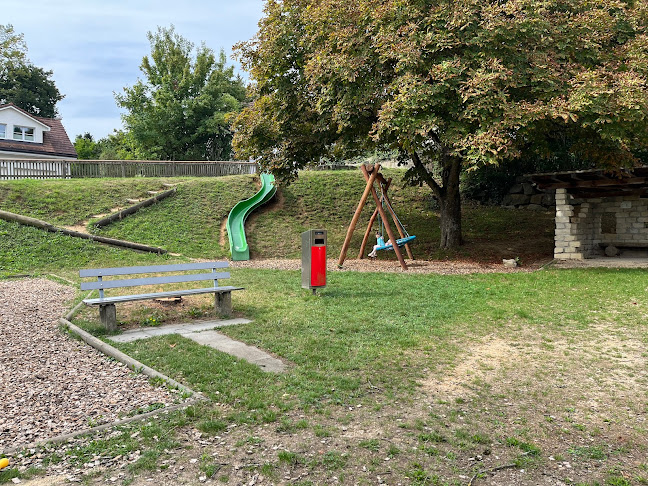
x=23 y=133
x=3 y=130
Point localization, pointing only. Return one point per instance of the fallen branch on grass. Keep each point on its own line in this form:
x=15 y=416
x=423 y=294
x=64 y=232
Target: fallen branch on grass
x=491 y=470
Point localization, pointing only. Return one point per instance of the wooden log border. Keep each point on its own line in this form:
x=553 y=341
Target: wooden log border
x=133 y=209
x=37 y=223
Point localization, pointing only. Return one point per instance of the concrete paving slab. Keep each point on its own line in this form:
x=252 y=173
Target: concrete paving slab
x=203 y=333
x=218 y=341
x=184 y=328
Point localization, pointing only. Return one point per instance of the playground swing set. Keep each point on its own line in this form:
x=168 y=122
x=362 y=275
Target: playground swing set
x=372 y=175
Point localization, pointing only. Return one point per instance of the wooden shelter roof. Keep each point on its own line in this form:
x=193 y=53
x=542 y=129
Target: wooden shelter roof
x=596 y=182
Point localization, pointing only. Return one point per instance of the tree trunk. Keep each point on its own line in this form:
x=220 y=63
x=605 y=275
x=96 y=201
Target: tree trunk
x=450 y=205
x=448 y=195
x=450 y=214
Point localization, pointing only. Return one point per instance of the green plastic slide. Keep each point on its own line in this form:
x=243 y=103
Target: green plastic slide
x=239 y=213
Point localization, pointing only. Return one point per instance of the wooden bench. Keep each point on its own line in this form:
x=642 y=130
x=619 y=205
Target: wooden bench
x=617 y=246
x=107 y=313
x=627 y=244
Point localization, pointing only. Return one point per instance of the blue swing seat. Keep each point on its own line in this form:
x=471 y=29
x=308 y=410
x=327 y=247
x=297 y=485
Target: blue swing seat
x=400 y=242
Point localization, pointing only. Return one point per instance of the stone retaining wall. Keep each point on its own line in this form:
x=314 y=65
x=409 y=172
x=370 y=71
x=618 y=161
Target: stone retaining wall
x=524 y=195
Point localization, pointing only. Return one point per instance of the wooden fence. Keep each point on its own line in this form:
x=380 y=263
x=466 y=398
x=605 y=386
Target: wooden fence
x=34 y=169
x=66 y=169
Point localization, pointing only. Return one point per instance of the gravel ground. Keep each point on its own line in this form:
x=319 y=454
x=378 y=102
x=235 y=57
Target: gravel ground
x=368 y=265
x=51 y=384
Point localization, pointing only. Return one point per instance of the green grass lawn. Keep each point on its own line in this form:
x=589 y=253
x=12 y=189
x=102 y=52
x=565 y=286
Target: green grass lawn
x=375 y=340
x=386 y=329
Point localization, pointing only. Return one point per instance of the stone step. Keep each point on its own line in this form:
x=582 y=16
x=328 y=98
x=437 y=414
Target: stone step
x=184 y=328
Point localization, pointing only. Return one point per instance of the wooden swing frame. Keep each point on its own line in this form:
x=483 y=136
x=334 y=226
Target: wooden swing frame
x=371 y=175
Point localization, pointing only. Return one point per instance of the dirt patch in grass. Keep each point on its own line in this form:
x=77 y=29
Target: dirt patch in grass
x=222 y=239
x=481 y=365
x=82 y=226
x=79 y=228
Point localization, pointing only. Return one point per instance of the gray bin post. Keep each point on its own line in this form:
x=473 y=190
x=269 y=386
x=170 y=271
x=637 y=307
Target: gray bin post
x=313 y=259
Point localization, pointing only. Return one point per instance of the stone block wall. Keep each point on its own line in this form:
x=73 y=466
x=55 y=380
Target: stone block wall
x=583 y=224
x=631 y=217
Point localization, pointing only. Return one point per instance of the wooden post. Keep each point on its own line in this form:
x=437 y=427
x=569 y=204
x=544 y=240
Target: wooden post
x=367 y=234
x=390 y=233
x=371 y=222
x=398 y=226
x=356 y=216
x=133 y=209
x=53 y=229
x=108 y=317
x=223 y=303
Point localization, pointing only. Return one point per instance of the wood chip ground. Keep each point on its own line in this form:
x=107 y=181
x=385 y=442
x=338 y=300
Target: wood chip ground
x=51 y=384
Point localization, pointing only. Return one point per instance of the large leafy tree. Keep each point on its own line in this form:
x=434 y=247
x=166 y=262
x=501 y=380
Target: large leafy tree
x=180 y=110
x=12 y=45
x=21 y=83
x=451 y=84
x=30 y=88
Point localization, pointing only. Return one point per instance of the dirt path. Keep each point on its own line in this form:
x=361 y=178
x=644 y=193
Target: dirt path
x=392 y=266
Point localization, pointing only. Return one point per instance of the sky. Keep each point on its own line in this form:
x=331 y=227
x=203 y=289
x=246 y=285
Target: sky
x=95 y=47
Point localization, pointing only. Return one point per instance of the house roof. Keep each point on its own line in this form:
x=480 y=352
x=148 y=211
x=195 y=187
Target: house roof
x=55 y=141
x=596 y=182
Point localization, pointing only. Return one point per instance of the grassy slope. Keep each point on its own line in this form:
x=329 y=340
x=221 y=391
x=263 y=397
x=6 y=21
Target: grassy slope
x=68 y=202
x=329 y=200
x=26 y=250
x=190 y=222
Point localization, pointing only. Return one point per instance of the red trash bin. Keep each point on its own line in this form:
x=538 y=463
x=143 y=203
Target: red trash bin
x=314 y=259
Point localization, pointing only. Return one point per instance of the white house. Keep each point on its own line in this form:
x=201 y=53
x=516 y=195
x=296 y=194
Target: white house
x=26 y=137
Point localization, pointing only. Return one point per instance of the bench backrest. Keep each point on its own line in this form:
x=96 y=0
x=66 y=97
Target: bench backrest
x=136 y=282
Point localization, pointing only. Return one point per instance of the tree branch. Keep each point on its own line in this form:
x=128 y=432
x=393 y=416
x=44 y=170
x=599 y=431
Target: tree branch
x=491 y=470
x=425 y=175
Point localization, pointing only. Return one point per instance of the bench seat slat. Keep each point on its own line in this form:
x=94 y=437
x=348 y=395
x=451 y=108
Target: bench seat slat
x=628 y=244
x=136 y=282
x=159 y=295
x=180 y=267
